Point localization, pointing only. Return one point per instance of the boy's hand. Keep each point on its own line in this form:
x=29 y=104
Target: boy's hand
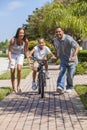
x=53 y=57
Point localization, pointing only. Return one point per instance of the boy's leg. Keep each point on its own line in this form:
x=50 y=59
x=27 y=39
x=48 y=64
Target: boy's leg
x=35 y=69
x=34 y=73
x=46 y=66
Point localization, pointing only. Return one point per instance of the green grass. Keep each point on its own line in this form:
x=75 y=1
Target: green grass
x=82 y=92
x=4 y=91
x=6 y=75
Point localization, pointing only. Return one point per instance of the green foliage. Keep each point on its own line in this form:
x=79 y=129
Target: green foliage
x=57 y=62
x=33 y=43
x=80 y=9
x=4 y=91
x=82 y=55
x=4 y=45
x=73 y=20
x=82 y=91
x=81 y=68
x=4 y=55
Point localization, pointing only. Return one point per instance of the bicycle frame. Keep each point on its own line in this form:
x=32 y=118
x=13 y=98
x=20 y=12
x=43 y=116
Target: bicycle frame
x=41 y=80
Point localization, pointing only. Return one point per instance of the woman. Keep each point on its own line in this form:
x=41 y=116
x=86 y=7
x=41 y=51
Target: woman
x=17 y=48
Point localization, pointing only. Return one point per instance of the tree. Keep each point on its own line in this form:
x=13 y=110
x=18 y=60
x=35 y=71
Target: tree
x=72 y=19
x=32 y=26
x=4 y=45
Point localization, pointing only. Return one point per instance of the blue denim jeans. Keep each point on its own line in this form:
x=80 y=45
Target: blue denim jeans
x=67 y=72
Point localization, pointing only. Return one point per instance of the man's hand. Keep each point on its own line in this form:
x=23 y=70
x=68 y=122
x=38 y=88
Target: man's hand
x=73 y=58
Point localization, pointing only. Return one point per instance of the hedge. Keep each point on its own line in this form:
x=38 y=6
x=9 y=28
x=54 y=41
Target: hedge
x=82 y=55
x=4 y=55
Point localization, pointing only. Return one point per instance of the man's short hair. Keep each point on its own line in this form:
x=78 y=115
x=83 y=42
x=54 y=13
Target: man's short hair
x=60 y=28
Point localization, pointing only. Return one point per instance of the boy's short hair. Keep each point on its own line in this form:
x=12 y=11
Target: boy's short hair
x=40 y=39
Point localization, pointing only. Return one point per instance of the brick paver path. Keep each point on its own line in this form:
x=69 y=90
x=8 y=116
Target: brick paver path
x=27 y=111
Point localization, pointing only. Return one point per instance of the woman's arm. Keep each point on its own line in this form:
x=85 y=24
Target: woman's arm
x=10 y=48
x=27 y=52
x=26 y=48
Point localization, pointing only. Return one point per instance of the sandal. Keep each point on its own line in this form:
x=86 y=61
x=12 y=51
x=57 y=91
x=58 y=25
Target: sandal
x=19 y=90
x=14 y=91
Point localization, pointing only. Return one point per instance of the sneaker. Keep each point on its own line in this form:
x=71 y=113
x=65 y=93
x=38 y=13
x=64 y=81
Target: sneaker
x=59 y=90
x=68 y=90
x=34 y=86
x=47 y=75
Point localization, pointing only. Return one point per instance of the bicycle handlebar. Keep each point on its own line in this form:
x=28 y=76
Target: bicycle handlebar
x=40 y=61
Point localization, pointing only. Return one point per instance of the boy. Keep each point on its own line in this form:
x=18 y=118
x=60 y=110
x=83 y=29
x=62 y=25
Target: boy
x=40 y=51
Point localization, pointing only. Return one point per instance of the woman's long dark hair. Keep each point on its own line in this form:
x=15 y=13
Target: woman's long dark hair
x=17 y=34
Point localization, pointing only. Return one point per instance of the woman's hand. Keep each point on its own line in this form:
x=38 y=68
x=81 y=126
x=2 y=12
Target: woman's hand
x=11 y=63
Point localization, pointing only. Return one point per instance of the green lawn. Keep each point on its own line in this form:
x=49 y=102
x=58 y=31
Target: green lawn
x=4 y=91
x=82 y=92
x=6 y=75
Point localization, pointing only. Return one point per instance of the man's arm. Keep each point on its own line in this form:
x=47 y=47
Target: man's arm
x=75 y=53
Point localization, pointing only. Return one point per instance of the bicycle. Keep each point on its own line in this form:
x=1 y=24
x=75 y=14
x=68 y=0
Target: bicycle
x=41 y=78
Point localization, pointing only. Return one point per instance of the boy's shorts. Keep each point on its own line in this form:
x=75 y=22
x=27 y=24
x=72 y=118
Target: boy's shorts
x=17 y=59
x=35 y=64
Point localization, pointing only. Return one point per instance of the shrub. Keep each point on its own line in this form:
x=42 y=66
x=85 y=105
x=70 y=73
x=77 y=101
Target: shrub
x=57 y=62
x=82 y=55
x=32 y=44
x=4 y=55
x=81 y=68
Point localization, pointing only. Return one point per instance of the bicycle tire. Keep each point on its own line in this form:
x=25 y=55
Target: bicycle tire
x=42 y=84
x=38 y=80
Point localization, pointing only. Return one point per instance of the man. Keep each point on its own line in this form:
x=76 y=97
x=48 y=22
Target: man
x=67 y=50
x=40 y=51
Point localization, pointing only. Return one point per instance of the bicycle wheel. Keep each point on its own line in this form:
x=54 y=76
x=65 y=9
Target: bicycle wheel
x=38 y=82
x=44 y=80
x=42 y=84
